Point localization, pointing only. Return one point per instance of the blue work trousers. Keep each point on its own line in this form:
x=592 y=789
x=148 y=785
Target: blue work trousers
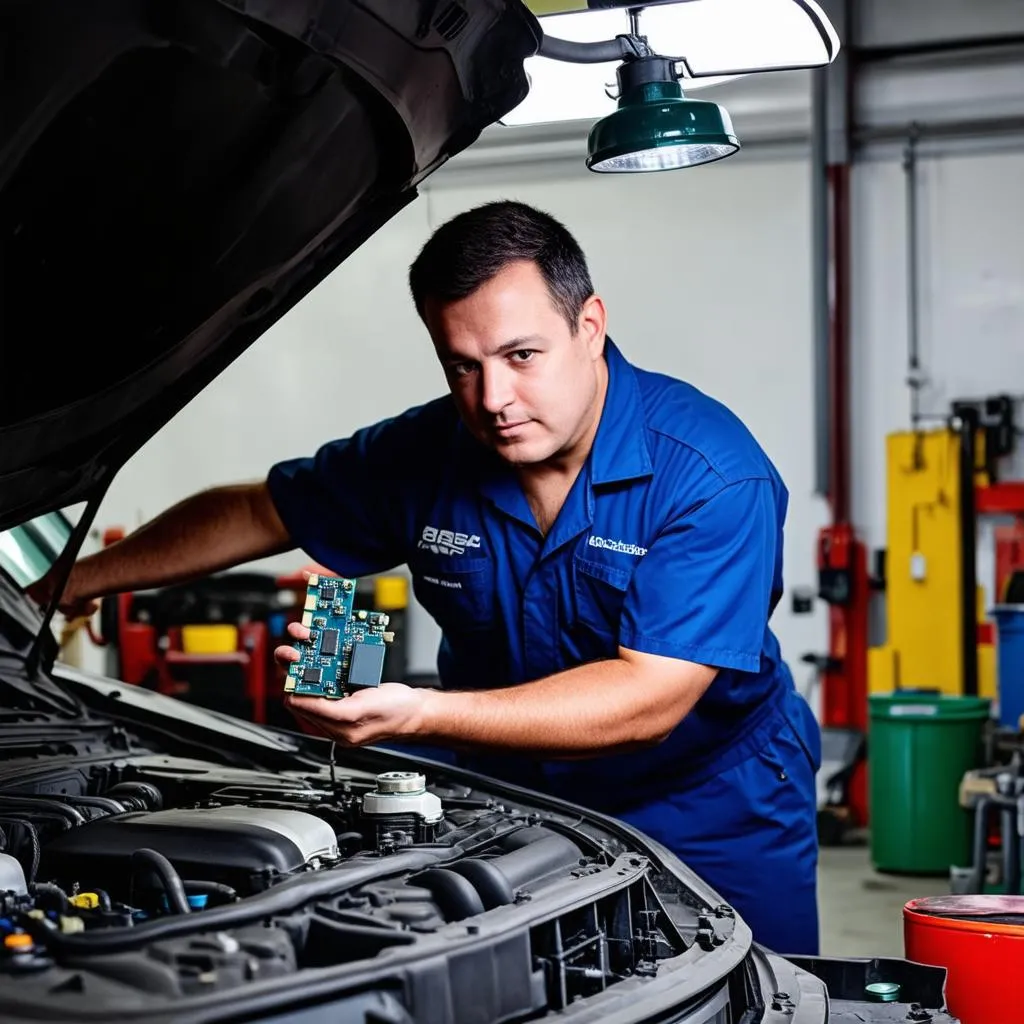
x=751 y=834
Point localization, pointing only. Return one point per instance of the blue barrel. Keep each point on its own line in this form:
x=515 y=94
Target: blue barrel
x=1010 y=662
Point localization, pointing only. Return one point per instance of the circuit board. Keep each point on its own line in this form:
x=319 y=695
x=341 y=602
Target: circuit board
x=345 y=650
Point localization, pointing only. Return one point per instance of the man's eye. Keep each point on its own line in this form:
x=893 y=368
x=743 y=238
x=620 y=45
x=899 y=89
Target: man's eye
x=461 y=369
x=522 y=355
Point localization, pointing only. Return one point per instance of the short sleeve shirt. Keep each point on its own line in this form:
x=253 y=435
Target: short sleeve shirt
x=669 y=542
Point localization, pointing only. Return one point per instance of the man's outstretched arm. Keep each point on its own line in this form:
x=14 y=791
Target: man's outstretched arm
x=207 y=532
x=624 y=703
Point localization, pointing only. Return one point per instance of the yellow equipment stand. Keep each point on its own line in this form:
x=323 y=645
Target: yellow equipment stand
x=924 y=648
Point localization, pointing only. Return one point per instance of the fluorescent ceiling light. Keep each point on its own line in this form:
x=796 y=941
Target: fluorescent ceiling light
x=717 y=39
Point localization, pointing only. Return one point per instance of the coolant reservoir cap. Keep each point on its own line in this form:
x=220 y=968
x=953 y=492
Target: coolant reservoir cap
x=403 y=793
x=401 y=782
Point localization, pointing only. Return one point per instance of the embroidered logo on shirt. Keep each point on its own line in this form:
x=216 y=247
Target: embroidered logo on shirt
x=447 y=542
x=450 y=584
x=617 y=545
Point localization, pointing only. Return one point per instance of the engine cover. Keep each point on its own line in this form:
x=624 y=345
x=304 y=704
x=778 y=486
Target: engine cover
x=244 y=847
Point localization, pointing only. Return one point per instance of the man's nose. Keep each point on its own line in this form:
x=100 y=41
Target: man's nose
x=496 y=389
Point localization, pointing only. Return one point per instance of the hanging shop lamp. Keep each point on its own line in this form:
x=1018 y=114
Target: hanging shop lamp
x=656 y=127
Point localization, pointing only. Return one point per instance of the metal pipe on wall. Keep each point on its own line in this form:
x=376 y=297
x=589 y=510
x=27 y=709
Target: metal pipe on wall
x=965 y=422
x=831 y=117
x=1008 y=126
x=915 y=379
x=839 y=340
x=820 y=285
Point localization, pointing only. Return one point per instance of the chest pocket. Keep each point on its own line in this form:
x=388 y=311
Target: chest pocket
x=457 y=591
x=599 y=591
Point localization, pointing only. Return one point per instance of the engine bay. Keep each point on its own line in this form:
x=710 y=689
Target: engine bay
x=176 y=880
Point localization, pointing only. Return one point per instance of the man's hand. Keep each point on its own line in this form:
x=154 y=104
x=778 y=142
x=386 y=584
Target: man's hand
x=70 y=606
x=386 y=712
x=390 y=711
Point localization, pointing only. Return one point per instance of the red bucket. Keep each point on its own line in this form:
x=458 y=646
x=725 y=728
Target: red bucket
x=980 y=942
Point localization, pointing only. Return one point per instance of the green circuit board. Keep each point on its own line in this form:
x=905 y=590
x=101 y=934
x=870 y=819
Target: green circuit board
x=345 y=650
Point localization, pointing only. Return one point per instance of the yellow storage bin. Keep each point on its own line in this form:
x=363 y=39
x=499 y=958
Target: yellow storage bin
x=390 y=593
x=209 y=638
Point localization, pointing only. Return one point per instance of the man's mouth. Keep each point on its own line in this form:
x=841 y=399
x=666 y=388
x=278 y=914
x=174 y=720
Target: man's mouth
x=508 y=428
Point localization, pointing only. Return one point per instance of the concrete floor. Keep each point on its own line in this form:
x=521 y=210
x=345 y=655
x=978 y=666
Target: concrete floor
x=860 y=910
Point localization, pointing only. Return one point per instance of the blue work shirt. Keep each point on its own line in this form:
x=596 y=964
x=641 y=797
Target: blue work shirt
x=669 y=543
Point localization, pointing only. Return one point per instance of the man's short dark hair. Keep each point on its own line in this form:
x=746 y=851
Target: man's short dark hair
x=474 y=246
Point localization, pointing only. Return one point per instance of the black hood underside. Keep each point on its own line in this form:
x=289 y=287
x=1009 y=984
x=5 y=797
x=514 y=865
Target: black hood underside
x=174 y=176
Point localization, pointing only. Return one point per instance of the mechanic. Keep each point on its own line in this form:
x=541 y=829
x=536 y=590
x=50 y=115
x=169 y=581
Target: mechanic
x=601 y=547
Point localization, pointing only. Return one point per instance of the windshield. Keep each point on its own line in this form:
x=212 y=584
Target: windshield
x=28 y=550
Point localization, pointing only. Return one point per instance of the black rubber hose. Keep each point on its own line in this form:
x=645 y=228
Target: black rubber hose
x=105 y=803
x=205 y=888
x=41 y=804
x=524 y=837
x=33 y=837
x=47 y=892
x=541 y=858
x=38 y=819
x=282 y=899
x=488 y=881
x=170 y=880
x=139 y=796
x=454 y=895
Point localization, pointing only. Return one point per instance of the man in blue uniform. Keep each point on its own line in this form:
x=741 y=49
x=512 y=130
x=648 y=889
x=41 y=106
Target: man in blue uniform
x=602 y=548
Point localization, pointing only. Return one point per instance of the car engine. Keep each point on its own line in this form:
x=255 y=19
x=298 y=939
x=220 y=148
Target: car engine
x=170 y=879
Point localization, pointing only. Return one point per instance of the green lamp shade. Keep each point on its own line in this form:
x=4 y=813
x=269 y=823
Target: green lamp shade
x=656 y=128
x=882 y=992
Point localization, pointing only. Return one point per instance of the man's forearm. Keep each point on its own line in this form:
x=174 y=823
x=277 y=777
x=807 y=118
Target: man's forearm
x=604 y=707
x=205 y=533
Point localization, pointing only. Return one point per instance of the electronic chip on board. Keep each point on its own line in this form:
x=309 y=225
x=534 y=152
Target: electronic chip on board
x=345 y=650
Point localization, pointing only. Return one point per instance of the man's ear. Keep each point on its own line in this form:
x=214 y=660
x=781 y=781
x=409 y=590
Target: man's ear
x=591 y=325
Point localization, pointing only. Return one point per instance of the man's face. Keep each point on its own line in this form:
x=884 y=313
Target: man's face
x=524 y=383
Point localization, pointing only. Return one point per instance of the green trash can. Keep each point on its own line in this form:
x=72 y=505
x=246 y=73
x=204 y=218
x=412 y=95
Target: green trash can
x=919 y=746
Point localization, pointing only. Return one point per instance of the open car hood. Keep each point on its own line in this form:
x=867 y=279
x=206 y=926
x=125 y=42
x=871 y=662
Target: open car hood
x=175 y=176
